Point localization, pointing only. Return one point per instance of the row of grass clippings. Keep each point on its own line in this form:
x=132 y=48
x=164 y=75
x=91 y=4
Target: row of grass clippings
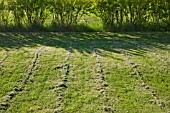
x=7 y=99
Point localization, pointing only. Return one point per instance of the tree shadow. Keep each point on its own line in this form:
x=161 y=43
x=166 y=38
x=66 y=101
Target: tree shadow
x=133 y=43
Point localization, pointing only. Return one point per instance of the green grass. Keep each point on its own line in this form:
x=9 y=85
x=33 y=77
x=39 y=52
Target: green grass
x=85 y=72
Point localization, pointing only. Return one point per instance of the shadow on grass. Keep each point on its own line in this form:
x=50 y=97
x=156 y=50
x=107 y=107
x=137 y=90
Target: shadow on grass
x=132 y=43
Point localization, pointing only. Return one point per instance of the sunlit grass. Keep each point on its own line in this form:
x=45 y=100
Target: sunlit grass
x=70 y=57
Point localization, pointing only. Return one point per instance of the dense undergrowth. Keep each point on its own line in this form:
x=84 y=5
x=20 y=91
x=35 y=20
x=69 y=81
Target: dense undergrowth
x=84 y=15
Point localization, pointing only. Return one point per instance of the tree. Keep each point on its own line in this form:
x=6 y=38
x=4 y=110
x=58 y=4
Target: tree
x=4 y=13
x=67 y=13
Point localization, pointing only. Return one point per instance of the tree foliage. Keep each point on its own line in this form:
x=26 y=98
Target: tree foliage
x=135 y=13
x=121 y=15
x=69 y=12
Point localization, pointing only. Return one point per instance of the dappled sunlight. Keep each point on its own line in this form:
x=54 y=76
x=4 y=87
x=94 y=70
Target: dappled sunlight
x=70 y=72
x=132 y=43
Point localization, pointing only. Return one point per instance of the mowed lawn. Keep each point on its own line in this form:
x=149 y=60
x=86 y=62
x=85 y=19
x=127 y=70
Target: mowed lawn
x=85 y=72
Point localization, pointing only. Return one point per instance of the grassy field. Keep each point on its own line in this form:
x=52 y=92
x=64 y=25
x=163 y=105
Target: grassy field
x=85 y=72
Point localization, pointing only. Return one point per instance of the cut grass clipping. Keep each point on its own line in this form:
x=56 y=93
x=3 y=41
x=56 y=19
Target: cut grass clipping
x=85 y=72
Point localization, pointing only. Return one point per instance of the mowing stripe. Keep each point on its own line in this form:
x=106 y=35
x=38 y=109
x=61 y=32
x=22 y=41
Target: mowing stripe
x=6 y=104
x=2 y=61
x=161 y=58
x=7 y=55
x=31 y=68
x=137 y=72
x=101 y=84
x=61 y=87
